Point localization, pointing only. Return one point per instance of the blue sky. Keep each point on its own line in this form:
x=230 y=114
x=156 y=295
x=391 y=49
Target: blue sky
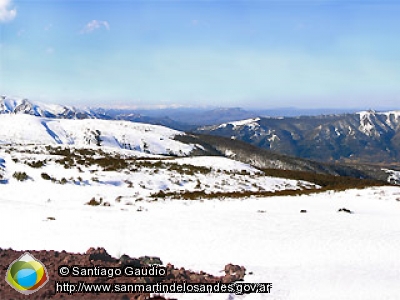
x=253 y=54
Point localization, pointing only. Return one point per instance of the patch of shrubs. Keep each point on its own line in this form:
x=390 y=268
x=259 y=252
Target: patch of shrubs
x=189 y=169
x=45 y=176
x=94 y=202
x=36 y=164
x=345 y=210
x=20 y=176
x=202 y=194
x=327 y=182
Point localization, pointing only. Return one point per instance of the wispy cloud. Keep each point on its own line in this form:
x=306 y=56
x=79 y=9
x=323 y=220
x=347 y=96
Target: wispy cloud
x=94 y=25
x=7 y=12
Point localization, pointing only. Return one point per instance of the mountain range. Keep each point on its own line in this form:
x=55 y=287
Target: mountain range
x=186 y=119
x=366 y=137
x=25 y=106
x=363 y=137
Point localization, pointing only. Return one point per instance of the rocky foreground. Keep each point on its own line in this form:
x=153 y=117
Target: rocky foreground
x=99 y=257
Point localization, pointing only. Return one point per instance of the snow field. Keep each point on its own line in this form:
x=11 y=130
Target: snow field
x=321 y=254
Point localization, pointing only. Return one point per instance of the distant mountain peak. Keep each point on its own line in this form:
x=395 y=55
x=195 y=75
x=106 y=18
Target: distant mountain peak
x=10 y=105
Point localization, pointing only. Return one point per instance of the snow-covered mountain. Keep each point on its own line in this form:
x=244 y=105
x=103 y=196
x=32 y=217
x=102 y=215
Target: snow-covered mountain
x=367 y=136
x=24 y=106
x=153 y=139
x=185 y=119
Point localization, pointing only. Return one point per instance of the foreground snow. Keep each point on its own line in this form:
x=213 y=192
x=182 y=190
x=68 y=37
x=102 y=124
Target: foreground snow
x=321 y=254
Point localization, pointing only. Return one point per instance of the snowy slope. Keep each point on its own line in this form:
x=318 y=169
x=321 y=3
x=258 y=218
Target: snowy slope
x=26 y=129
x=250 y=123
x=394 y=176
x=322 y=254
x=133 y=175
x=216 y=163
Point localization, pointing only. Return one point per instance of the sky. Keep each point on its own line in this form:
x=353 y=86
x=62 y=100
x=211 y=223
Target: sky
x=252 y=54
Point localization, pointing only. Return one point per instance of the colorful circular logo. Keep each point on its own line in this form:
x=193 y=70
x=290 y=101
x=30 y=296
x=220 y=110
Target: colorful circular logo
x=27 y=274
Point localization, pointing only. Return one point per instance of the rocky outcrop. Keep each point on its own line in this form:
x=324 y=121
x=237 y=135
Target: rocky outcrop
x=99 y=257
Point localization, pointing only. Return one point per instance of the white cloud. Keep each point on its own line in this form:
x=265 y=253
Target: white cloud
x=7 y=13
x=94 y=25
